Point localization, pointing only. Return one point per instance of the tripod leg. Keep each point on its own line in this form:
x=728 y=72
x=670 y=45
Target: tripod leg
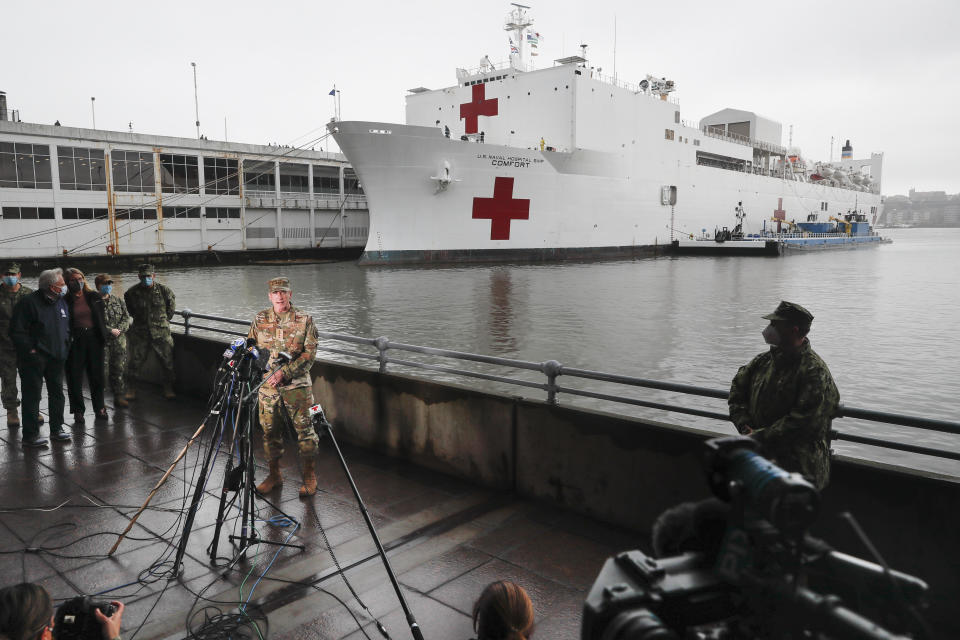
x=411 y=620
x=195 y=502
x=228 y=474
x=156 y=488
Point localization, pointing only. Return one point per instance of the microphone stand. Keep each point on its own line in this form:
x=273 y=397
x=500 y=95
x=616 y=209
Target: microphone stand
x=319 y=419
x=214 y=411
x=240 y=479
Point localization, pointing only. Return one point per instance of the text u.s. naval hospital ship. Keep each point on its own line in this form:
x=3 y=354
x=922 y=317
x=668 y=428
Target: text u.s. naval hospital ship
x=513 y=163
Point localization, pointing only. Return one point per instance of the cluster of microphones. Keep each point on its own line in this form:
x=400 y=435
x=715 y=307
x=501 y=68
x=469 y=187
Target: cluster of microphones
x=244 y=350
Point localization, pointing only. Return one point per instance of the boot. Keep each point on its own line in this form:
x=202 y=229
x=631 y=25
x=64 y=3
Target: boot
x=13 y=420
x=309 y=478
x=168 y=391
x=120 y=401
x=131 y=393
x=273 y=479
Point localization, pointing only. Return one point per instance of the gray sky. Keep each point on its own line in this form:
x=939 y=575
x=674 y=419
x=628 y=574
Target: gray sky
x=881 y=73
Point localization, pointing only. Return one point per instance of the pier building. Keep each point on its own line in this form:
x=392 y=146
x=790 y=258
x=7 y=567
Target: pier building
x=89 y=192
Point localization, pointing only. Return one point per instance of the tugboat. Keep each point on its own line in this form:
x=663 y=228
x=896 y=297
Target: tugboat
x=849 y=231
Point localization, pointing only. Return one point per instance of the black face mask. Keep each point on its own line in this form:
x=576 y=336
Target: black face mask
x=74 y=286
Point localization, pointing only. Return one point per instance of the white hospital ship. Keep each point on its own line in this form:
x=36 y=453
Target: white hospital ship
x=513 y=163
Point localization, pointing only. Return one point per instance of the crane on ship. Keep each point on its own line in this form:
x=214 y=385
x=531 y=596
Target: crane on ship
x=846 y=224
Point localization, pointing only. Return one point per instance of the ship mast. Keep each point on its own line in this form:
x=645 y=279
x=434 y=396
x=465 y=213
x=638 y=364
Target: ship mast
x=517 y=21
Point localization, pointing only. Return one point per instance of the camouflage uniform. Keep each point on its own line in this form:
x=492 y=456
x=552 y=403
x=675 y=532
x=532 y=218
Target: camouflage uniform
x=115 y=350
x=789 y=400
x=8 y=354
x=294 y=333
x=151 y=309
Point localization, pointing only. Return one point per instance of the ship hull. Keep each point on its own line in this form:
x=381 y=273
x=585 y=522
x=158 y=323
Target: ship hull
x=434 y=199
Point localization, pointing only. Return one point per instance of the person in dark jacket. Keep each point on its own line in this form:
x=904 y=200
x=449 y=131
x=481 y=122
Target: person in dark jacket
x=786 y=399
x=88 y=334
x=40 y=330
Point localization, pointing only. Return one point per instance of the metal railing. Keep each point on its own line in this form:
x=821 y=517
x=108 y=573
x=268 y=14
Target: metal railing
x=552 y=370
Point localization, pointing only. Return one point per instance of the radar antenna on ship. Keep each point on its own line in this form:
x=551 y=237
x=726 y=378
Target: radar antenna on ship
x=517 y=22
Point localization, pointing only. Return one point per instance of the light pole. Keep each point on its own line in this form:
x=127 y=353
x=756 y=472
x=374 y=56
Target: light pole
x=93 y=111
x=196 y=104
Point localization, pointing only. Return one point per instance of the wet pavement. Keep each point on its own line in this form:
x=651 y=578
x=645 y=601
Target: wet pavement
x=446 y=538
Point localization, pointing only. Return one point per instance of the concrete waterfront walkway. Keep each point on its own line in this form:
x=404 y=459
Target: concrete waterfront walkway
x=446 y=538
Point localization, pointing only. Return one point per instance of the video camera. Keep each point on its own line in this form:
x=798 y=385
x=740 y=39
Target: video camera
x=745 y=568
x=75 y=619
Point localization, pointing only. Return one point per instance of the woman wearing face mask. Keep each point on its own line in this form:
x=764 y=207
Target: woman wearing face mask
x=115 y=350
x=88 y=334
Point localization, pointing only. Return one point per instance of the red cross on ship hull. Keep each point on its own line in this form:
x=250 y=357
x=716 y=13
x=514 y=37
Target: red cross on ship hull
x=470 y=111
x=501 y=209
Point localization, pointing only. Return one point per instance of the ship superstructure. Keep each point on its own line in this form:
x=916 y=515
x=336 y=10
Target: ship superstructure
x=516 y=163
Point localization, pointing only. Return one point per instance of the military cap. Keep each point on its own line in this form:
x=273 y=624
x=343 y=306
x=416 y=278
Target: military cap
x=790 y=312
x=280 y=284
x=145 y=269
x=12 y=267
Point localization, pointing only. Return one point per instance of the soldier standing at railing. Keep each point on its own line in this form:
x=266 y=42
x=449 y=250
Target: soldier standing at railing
x=151 y=305
x=283 y=327
x=115 y=350
x=786 y=399
x=11 y=292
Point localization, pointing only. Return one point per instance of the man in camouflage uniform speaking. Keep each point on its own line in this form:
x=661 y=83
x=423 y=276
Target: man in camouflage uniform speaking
x=151 y=305
x=11 y=292
x=786 y=398
x=283 y=327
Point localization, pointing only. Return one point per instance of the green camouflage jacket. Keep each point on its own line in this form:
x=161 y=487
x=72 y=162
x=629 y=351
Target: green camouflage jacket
x=151 y=308
x=8 y=300
x=293 y=332
x=115 y=314
x=789 y=400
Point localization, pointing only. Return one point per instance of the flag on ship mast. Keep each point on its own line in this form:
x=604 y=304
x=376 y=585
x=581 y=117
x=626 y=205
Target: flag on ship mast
x=533 y=39
x=513 y=48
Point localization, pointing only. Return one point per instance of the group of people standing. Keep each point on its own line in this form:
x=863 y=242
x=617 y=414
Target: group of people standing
x=68 y=329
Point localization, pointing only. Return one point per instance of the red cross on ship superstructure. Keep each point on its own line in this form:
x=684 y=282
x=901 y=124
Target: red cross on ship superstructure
x=501 y=209
x=780 y=214
x=480 y=106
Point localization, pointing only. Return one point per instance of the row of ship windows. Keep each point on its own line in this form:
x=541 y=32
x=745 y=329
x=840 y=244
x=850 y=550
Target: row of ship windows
x=824 y=206
x=669 y=134
x=483 y=80
x=27 y=166
x=74 y=213
x=292 y=233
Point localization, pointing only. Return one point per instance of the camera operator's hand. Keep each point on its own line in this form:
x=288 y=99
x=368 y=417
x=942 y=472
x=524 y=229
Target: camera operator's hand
x=111 y=625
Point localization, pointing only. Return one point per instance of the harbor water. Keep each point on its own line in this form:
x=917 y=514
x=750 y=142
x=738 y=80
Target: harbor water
x=884 y=321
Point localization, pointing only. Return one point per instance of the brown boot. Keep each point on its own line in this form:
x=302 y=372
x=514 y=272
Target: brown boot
x=130 y=394
x=309 y=486
x=13 y=420
x=120 y=401
x=273 y=480
x=168 y=391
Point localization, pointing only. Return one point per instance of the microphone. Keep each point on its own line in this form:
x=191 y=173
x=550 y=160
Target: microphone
x=261 y=359
x=229 y=353
x=691 y=526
